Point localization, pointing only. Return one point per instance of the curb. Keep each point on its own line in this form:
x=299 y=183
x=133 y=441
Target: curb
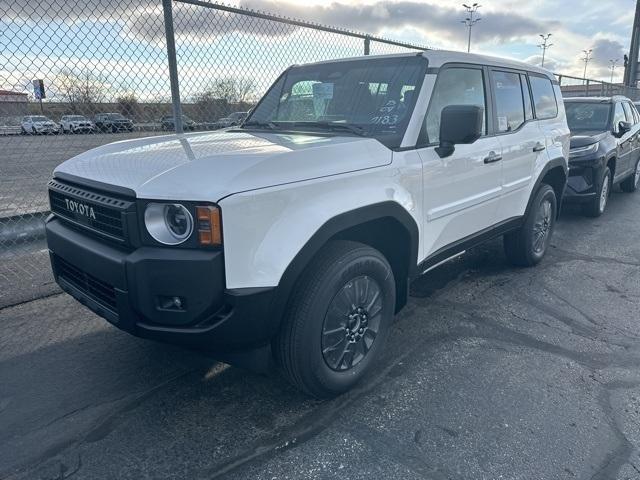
x=22 y=228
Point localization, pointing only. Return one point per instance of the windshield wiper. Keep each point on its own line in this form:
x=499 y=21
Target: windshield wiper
x=258 y=123
x=348 y=127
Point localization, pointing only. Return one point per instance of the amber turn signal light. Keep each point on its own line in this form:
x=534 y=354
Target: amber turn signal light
x=209 y=227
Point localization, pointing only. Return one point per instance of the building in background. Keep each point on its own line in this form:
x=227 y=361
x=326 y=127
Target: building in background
x=13 y=104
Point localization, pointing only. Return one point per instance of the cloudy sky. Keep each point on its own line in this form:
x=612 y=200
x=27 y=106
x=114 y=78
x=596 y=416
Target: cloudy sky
x=508 y=28
x=122 y=41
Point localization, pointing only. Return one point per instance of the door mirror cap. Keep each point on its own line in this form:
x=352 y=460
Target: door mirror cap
x=459 y=125
x=624 y=127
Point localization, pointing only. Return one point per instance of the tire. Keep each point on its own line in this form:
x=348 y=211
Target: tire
x=630 y=184
x=34 y=131
x=528 y=245
x=326 y=346
x=114 y=129
x=597 y=206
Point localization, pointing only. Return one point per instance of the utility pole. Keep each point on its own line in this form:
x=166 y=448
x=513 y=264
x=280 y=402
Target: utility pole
x=544 y=45
x=612 y=66
x=470 y=21
x=586 y=59
x=631 y=70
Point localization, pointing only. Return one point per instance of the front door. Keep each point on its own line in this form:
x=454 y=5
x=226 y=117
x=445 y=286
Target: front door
x=462 y=191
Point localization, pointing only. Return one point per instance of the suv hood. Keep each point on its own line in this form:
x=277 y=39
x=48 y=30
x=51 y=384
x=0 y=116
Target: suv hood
x=211 y=166
x=584 y=138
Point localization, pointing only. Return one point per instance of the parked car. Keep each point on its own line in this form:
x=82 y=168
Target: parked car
x=75 y=124
x=232 y=120
x=605 y=150
x=334 y=194
x=37 y=125
x=113 y=122
x=167 y=123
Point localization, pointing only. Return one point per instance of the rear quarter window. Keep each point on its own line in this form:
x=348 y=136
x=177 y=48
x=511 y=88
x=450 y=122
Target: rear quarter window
x=544 y=98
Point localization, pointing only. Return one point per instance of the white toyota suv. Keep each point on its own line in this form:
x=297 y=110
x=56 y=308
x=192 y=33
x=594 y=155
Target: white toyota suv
x=294 y=236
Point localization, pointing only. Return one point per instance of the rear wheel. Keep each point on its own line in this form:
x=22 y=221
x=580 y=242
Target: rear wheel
x=337 y=320
x=598 y=204
x=630 y=184
x=528 y=245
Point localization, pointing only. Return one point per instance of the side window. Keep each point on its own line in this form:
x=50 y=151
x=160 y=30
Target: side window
x=636 y=116
x=454 y=86
x=526 y=93
x=544 y=98
x=628 y=112
x=509 y=101
x=618 y=116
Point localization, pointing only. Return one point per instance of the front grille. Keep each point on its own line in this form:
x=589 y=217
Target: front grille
x=95 y=211
x=100 y=291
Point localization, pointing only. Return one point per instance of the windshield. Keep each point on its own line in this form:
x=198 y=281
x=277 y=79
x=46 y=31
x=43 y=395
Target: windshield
x=115 y=116
x=372 y=97
x=39 y=119
x=588 y=115
x=76 y=117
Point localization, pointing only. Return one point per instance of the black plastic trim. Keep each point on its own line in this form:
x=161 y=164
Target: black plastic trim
x=332 y=228
x=105 y=187
x=470 y=241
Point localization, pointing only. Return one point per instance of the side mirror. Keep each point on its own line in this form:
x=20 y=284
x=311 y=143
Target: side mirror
x=459 y=125
x=623 y=128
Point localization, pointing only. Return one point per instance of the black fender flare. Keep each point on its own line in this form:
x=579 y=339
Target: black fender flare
x=554 y=163
x=332 y=228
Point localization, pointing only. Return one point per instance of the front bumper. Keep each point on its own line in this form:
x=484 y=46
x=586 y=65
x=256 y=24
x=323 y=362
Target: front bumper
x=584 y=178
x=128 y=287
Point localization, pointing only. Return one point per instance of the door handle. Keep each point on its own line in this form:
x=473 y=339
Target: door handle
x=492 y=158
x=539 y=147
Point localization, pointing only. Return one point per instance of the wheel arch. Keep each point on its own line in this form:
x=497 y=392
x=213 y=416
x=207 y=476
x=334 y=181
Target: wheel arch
x=386 y=226
x=554 y=174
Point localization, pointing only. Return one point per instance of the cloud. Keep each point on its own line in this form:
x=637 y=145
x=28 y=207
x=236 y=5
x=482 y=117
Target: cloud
x=605 y=50
x=434 y=20
x=144 y=20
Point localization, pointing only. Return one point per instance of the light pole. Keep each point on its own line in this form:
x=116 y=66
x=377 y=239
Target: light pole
x=544 y=45
x=470 y=21
x=612 y=66
x=586 y=60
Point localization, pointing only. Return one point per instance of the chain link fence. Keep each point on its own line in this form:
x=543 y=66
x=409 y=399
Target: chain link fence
x=76 y=75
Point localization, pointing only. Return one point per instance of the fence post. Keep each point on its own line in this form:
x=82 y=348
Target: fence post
x=587 y=94
x=173 y=65
x=367 y=45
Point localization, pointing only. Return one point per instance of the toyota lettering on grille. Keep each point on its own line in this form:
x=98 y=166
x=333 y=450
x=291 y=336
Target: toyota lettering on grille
x=80 y=208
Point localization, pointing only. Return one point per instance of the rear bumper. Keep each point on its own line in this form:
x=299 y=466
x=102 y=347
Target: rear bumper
x=130 y=289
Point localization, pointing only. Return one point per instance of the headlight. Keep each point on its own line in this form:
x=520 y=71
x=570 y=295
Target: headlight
x=583 y=151
x=168 y=223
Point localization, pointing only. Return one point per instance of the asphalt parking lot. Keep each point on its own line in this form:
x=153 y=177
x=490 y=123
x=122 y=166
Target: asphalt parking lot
x=27 y=161
x=490 y=373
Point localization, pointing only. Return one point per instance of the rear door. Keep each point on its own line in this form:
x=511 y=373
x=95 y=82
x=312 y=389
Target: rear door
x=634 y=142
x=520 y=138
x=462 y=191
x=625 y=142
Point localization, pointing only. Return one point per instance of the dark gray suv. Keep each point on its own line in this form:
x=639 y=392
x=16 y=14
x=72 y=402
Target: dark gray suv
x=605 y=150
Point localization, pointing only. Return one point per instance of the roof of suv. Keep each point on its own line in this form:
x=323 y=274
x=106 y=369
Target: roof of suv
x=438 y=58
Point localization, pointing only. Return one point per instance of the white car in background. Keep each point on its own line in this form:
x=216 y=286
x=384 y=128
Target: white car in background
x=75 y=124
x=233 y=120
x=38 y=124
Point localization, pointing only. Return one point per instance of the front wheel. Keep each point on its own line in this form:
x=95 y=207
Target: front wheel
x=528 y=245
x=630 y=184
x=337 y=320
x=597 y=205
